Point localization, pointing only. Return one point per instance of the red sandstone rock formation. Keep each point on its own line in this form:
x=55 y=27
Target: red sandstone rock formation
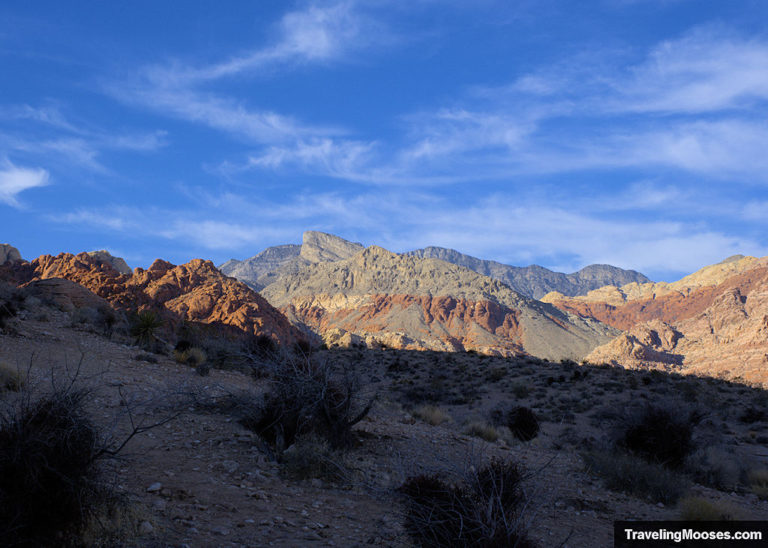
x=194 y=291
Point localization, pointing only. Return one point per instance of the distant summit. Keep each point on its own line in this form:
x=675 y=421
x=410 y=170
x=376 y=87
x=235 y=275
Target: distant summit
x=264 y=268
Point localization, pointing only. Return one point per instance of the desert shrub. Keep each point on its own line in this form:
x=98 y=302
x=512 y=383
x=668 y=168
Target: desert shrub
x=264 y=346
x=312 y=457
x=182 y=346
x=715 y=467
x=753 y=414
x=485 y=509
x=520 y=390
x=11 y=302
x=431 y=415
x=307 y=397
x=630 y=474
x=658 y=434
x=483 y=431
x=758 y=482
x=302 y=348
x=521 y=421
x=101 y=320
x=145 y=327
x=192 y=356
x=694 y=508
x=10 y=378
x=48 y=472
x=495 y=374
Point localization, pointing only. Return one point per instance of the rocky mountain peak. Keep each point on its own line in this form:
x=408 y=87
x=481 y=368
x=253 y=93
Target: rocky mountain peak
x=9 y=254
x=159 y=265
x=118 y=263
x=319 y=247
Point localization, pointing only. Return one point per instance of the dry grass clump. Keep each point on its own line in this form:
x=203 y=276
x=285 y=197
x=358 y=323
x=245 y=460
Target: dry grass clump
x=758 y=482
x=313 y=457
x=693 y=508
x=482 y=430
x=431 y=414
x=192 y=356
x=10 y=378
x=485 y=508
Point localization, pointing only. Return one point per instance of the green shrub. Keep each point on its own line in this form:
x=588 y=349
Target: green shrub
x=145 y=328
x=521 y=421
x=630 y=474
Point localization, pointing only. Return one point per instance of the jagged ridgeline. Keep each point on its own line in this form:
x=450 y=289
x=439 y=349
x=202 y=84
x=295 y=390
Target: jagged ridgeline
x=532 y=281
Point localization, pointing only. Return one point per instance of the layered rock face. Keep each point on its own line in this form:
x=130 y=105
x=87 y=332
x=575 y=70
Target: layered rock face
x=536 y=281
x=407 y=302
x=263 y=269
x=9 y=254
x=713 y=322
x=194 y=291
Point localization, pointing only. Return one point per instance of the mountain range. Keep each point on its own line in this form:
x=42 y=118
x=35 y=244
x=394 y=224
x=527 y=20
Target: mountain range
x=531 y=281
x=340 y=293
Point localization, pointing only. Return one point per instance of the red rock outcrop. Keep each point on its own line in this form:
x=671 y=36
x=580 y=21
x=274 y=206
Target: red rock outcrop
x=194 y=291
x=719 y=330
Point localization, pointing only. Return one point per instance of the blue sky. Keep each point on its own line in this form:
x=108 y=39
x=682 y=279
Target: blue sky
x=560 y=133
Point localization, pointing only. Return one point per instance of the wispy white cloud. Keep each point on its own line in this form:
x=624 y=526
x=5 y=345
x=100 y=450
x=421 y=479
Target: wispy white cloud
x=15 y=179
x=48 y=134
x=319 y=33
x=704 y=71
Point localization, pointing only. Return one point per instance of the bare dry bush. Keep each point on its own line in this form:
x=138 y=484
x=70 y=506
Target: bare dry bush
x=53 y=490
x=485 y=508
x=307 y=397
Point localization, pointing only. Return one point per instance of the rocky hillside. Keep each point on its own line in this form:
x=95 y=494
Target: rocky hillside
x=195 y=291
x=536 y=281
x=379 y=297
x=713 y=322
x=264 y=268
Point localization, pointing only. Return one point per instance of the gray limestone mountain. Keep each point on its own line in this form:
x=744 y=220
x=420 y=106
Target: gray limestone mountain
x=402 y=301
x=536 y=281
x=9 y=254
x=266 y=267
x=532 y=281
